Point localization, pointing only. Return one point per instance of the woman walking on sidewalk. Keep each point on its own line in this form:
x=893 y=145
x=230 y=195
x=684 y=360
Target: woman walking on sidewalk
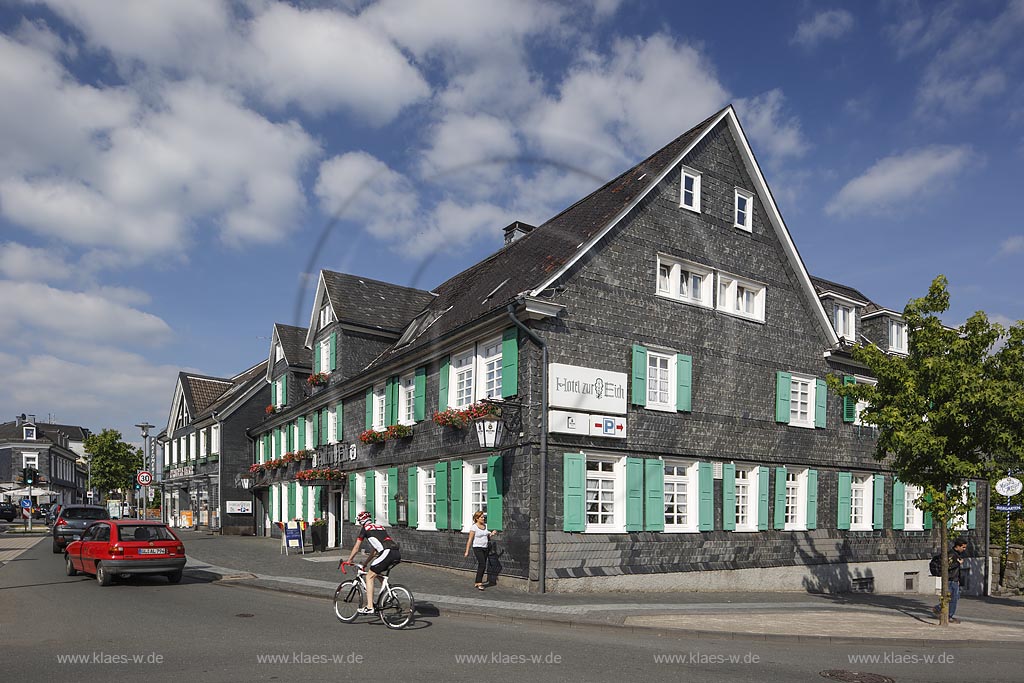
x=480 y=540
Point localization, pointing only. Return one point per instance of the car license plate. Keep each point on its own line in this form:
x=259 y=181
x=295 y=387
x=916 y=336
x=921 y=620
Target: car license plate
x=152 y=551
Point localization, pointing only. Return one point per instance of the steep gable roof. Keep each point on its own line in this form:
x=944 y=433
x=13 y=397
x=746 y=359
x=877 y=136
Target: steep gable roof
x=241 y=384
x=202 y=391
x=293 y=344
x=823 y=287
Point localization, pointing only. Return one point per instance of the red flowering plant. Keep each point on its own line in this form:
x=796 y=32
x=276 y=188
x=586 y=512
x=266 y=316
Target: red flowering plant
x=319 y=521
x=451 y=417
x=398 y=432
x=318 y=379
x=297 y=456
x=270 y=409
x=257 y=468
x=480 y=409
x=373 y=436
x=276 y=463
x=320 y=473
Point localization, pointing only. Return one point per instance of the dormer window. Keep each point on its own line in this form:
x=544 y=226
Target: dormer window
x=897 y=336
x=278 y=353
x=844 y=320
x=689 y=190
x=744 y=210
x=326 y=315
x=30 y=433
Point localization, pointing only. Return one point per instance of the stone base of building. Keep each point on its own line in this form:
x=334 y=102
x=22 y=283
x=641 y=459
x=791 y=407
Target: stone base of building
x=908 y=577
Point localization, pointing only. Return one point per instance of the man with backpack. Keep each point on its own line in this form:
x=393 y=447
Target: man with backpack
x=956 y=576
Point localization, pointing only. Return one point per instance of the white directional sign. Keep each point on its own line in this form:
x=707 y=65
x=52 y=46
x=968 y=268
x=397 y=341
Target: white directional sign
x=145 y=478
x=1009 y=486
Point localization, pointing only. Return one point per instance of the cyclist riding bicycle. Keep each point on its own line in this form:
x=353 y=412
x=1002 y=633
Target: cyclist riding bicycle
x=384 y=554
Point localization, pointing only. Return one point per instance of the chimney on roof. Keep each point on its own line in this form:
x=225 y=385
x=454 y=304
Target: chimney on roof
x=517 y=226
x=32 y=419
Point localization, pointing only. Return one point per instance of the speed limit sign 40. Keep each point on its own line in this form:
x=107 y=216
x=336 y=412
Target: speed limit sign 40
x=145 y=478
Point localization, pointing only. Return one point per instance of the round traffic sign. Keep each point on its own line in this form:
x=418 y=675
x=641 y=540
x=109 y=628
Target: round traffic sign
x=1009 y=486
x=145 y=478
x=26 y=503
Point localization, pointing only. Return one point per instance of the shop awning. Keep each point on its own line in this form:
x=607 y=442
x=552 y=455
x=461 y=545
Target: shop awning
x=36 y=491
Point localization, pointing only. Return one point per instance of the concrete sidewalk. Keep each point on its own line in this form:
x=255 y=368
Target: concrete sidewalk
x=763 y=616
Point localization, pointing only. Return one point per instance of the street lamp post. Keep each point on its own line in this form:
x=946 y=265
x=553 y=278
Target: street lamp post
x=145 y=427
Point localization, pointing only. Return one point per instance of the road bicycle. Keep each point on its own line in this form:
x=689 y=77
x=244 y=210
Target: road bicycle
x=394 y=604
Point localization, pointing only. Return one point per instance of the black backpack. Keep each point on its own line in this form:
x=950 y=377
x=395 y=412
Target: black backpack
x=935 y=566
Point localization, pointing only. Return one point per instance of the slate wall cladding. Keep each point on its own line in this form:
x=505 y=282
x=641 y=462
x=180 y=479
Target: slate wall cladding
x=356 y=350
x=236 y=455
x=876 y=329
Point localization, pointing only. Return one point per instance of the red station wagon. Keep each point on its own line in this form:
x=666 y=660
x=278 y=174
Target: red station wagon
x=126 y=547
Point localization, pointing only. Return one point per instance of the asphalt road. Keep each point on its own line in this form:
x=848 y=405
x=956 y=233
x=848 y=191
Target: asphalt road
x=54 y=627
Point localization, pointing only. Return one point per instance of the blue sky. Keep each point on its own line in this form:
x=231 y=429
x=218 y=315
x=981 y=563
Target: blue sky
x=168 y=167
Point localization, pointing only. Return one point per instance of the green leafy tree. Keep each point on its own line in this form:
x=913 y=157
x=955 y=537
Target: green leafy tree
x=114 y=462
x=940 y=409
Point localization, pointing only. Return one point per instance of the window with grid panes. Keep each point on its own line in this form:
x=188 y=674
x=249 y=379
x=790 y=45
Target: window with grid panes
x=897 y=336
x=659 y=380
x=792 y=499
x=428 y=484
x=678 y=498
x=490 y=370
x=743 y=517
x=689 y=196
x=380 y=508
x=801 y=401
x=861 y=501
x=380 y=418
x=476 y=478
x=407 y=400
x=325 y=355
x=913 y=518
x=600 y=493
x=462 y=375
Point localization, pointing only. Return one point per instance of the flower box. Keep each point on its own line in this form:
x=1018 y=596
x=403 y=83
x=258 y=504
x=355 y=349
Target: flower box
x=214 y=457
x=372 y=436
x=318 y=379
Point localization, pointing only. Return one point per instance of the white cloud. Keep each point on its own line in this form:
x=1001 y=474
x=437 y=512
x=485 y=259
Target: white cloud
x=470 y=150
x=895 y=180
x=826 y=25
x=768 y=126
x=33 y=311
x=360 y=188
x=19 y=262
x=940 y=92
x=1012 y=245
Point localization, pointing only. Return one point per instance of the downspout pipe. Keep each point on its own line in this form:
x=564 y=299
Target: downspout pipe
x=542 y=555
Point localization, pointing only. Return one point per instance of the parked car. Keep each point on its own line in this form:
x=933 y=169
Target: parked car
x=126 y=547
x=71 y=522
x=51 y=514
x=8 y=511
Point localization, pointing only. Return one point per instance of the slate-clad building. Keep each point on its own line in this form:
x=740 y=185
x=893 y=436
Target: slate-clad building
x=658 y=354
x=57 y=451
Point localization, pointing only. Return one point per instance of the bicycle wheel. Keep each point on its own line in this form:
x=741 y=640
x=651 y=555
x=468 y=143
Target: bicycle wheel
x=396 y=607
x=347 y=600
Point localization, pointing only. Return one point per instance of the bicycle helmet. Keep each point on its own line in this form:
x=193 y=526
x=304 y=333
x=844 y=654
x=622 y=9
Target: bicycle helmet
x=363 y=517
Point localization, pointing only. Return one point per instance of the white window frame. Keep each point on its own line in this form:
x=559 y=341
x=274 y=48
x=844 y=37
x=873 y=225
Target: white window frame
x=675 y=288
x=474 y=490
x=332 y=425
x=692 y=504
x=174 y=451
x=795 y=419
x=310 y=436
x=959 y=523
x=30 y=460
x=748 y=221
x=326 y=315
x=324 y=349
x=900 y=347
x=462 y=371
x=380 y=497
x=865 y=484
x=360 y=494
x=380 y=417
x=913 y=518
x=279 y=392
x=796 y=481
x=728 y=290
x=616 y=474
x=278 y=352
x=752 y=481
x=192 y=450
x=861 y=405
x=202 y=443
x=427 y=498
x=29 y=433
x=669 y=359
x=695 y=176
x=844 y=319
x=407 y=399
x=488 y=371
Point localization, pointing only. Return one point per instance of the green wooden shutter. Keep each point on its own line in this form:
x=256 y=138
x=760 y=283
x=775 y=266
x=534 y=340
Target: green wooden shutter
x=284 y=390
x=325 y=416
x=843 y=500
x=441 y=494
x=369 y=408
x=413 y=510
x=574 y=488
x=334 y=351
x=820 y=403
x=706 y=497
x=495 y=493
x=289 y=438
x=899 y=504
x=456 y=495
x=389 y=402
x=278 y=442
x=510 y=362
x=780 y=498
x=729 y=496
x=634 y=494
x=352 y=512
x=654 y=494
x=849 y=403
x=782 y=382
x=392 y=491
x=292 y=495
x=316 y=429
x=420 y=394
x=762 y=498
x=339 y=417
x=927 y=519
x=972 y=514
x=442 y=384
x=639 y=375
x=877 y=521
x=301 y=422
x=684 y=382
x=812 y=499
x=371 y=494
x=273 y=393
x=316 y=357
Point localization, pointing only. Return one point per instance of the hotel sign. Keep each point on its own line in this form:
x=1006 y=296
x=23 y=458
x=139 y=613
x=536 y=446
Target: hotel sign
x=183 y=471
x=586 y=389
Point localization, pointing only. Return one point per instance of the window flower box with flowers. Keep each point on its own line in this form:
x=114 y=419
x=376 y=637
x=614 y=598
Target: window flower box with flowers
x=318 y=379
x=458 y=419
x=320 y=476
x=398 y=432
x=257 y=468
x=372 y=436
x=270 y=409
